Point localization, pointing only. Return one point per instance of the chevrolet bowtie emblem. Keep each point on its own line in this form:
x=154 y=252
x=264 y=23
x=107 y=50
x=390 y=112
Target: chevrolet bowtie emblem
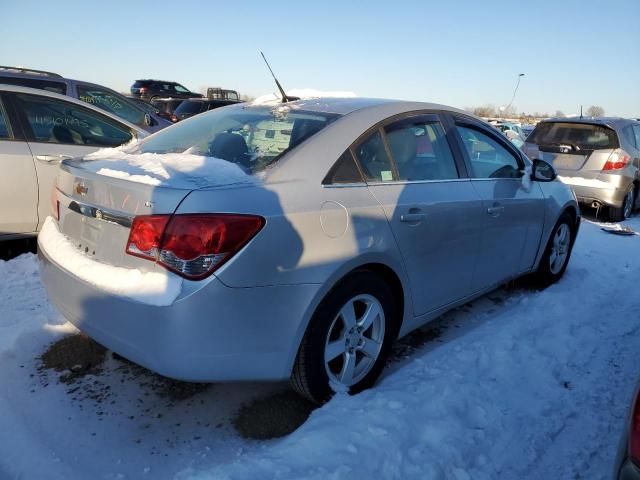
x=81 y=189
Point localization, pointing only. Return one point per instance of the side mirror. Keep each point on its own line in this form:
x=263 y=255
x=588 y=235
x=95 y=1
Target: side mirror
x=148 y=120
x=542 y=171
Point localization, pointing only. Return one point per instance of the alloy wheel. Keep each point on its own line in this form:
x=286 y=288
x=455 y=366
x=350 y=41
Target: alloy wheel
x=354 y=340
x=560 y=248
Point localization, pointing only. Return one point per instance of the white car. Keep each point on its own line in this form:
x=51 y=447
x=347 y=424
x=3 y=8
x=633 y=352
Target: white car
x=38 y=129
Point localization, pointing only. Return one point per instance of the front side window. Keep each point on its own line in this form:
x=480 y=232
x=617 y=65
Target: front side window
x=251 y=137
x=489 y=159
x=55 y=121
x=5 y=128
x=420 y=150
x=112 y=103
x=374 y=160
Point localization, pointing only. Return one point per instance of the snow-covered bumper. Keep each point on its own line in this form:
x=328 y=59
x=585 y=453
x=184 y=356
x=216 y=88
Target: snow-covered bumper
x=216 y=333
x=608 y=189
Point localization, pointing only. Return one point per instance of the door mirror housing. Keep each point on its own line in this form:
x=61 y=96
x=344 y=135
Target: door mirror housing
x=543 y=171
x=148 y=120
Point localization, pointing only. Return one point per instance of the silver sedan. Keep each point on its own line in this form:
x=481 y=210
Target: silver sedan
x=297 y=240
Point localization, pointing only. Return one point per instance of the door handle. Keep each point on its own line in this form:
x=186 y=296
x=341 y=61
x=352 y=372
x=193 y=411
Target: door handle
x=495 y=211
x=411 y=217
x=52 y=159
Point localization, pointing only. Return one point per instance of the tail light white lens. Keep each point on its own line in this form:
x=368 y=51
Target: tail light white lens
x=617 y=160
x=634 y=431
x=192 y=245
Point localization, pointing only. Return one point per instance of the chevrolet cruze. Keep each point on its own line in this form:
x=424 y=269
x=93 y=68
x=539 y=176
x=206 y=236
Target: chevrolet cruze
x=296 y=240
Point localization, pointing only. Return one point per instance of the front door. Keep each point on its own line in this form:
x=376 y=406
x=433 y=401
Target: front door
x=435 y=214
x=513 y=210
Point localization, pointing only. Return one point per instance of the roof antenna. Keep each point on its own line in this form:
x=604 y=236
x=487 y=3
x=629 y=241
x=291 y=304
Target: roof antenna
x=580 y=112
x=285 y=98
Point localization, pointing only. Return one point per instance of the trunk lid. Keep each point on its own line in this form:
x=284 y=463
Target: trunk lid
x=96 y=211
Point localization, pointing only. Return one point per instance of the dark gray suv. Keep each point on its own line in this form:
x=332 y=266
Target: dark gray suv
x=97 y=95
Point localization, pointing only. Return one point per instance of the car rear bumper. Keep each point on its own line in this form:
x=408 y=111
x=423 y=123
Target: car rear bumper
x=217 y=333
x=606 y=189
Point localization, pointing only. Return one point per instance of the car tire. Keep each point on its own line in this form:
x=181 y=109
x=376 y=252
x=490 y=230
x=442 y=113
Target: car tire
x=621 y=213
x=557 y=253
x=341 y=352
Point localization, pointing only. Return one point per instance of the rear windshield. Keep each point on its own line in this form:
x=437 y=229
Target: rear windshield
x=582 y=135
x=141 y=83
x=252 y=138
x=189 y=107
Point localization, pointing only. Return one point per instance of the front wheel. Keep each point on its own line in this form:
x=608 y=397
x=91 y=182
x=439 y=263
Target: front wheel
x=557 y=253
x=348 y=340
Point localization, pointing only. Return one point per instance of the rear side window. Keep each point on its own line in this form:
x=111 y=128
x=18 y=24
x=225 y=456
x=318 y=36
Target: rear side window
x=48 y=85
x=112 y=103
x=627 y=132
x=578 y=136
x=5 y=127
x=636 y=133
x=54 y=121
x=420 y=150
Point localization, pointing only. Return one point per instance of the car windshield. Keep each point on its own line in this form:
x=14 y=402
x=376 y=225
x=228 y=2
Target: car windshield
x=251 y=137
x=585 y=136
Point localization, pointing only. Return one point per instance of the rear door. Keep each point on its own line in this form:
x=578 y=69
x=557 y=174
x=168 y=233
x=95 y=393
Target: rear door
x=513 y=214
x=434 y=211
x=18 y=182
x=57 y=130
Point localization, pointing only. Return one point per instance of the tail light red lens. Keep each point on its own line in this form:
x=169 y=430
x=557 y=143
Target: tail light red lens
x=616 y=161
x=634 y=431
x=55 y=203
x=192 y=245
x=174 y=119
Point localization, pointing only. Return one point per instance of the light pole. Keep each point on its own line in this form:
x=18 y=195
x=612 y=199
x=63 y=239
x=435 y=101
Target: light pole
x=515 y=90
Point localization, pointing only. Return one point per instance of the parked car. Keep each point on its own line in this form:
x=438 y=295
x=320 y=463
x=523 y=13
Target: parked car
x=152 y=89
x=627 y=466
x=309 y=237
x=598 y=157
x=222 y=94
x=189 y=108
x=37 y=130
x=166 y=106
x=97 y=95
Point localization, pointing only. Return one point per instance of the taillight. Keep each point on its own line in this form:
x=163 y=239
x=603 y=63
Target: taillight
x=192 y=245
x=143 y=89
x=173 y=118
x=634 y=431
x=617 y=160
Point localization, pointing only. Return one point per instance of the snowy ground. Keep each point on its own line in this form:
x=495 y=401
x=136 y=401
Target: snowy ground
x=519 y=385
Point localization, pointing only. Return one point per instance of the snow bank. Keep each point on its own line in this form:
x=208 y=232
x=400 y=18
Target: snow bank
x=303 y=94
x=177 y=170
x=153 y=288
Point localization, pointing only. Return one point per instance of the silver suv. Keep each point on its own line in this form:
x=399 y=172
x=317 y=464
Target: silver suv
x=598 y=157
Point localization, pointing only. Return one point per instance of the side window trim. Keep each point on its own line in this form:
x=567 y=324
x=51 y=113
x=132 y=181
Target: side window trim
x=466 y=122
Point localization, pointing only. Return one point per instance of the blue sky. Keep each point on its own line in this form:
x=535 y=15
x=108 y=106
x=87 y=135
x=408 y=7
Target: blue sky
x=461 y=53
